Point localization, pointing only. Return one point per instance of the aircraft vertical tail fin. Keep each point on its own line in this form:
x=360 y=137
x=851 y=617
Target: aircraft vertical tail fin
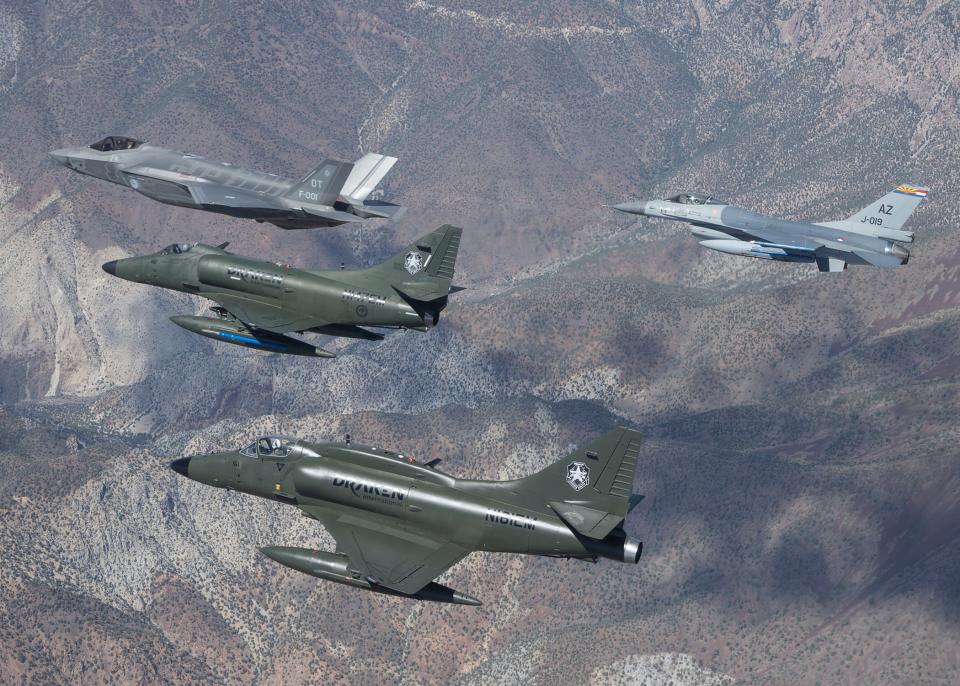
x=322 y=186
x=366 y=174
x=592 y=489
x=423 y=271
x=885 y=217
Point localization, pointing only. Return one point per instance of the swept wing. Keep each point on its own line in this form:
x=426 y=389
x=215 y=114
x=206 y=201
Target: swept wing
x=386 y=551
x=260 y=315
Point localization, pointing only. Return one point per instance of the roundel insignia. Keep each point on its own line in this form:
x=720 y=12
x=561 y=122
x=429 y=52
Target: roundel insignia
x=134 y=183
x=361 y=310
x=578 y=475
x=413 y=262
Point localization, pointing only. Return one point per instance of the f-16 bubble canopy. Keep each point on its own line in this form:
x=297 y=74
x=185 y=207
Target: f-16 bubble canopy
x=111 y=143
x=695 y=199
x=276 y=446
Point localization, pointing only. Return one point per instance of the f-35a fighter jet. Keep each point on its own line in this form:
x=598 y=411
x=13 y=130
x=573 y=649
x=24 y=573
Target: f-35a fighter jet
x=873 y=236
x=259 y=302
x=332 y=194
x=400 y=524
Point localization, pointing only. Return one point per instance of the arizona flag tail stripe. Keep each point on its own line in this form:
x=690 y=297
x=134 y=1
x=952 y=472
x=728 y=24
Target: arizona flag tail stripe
x=910 y=190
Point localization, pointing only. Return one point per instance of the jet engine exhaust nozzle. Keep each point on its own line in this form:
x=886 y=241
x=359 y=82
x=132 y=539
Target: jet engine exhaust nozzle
x=897 y=250
x=632 y=550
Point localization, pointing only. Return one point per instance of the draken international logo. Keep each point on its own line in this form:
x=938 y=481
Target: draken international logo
x=413 y=262
x=365 y=490
x=578 y=476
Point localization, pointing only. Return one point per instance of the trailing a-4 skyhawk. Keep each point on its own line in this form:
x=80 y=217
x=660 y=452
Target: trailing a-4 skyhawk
x=873 y=236
x=400 y=524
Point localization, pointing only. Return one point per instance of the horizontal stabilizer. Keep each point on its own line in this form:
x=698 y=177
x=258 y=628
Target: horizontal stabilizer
x=379 y=208
x=880 y=260
x=585 y=520
x=367 y=172
x=421 y=292
x=334 y=215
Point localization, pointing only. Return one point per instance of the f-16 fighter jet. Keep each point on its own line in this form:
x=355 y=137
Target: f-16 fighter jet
x=400 y=524
x=332 y=194
x=873 y=236
x=259 y=302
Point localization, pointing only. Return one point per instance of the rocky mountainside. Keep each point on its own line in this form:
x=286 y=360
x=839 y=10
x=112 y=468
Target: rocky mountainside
x=802 y=516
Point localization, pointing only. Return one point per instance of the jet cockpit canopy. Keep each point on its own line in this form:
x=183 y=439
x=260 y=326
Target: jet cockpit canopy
x=695 y=198
x=111 y=143
x=271 y=446
x=176 y=249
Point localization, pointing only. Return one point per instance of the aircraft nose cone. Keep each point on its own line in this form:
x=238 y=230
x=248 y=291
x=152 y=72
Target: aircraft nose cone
x=110 y=267
x=180 y=466
x=630 y=207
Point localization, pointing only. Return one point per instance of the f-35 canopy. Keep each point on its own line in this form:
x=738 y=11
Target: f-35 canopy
x=111 y=143
x=695 y=198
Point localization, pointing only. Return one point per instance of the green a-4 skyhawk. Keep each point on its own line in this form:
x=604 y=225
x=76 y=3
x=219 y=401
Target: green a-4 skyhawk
x=400 y=524
x=259 y=302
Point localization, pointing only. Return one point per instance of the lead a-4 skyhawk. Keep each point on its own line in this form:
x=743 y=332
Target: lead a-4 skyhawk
x=873 y=236
x=259 y=302
x=332 y=194
x=400 y=524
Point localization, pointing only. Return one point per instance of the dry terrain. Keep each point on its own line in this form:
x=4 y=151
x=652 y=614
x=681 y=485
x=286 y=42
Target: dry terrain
x=801 y=523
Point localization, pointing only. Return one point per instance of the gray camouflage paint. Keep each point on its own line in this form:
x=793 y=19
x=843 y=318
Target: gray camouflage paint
x=332 y=194
x=874 y=236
